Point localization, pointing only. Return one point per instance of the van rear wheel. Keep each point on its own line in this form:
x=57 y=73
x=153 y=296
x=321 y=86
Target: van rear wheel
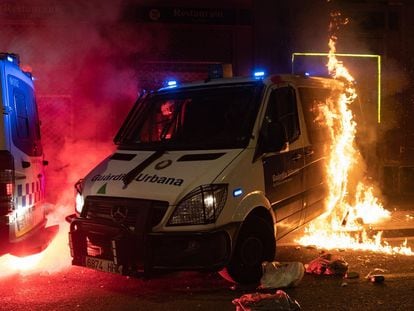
x=255 y=244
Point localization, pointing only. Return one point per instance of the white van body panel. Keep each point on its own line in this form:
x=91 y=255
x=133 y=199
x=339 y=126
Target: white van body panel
x=166 y=184
x=252 y=187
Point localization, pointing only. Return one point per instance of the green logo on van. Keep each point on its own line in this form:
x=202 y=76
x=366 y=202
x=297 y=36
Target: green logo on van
x=102 y=190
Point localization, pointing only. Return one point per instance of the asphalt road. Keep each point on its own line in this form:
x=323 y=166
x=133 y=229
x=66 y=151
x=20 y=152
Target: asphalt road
x=74 y=288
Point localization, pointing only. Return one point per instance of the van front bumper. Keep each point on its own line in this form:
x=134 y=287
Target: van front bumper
x=190 y=251
x=139 y=252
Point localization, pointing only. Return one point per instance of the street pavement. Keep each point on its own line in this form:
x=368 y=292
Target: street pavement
x=76 y=288
x=400 y=225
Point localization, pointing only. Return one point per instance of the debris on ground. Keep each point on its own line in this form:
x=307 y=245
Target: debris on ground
x=375 y=271
x=376 y=276
x=279 y=301
x=327 y=264
x=281 y=274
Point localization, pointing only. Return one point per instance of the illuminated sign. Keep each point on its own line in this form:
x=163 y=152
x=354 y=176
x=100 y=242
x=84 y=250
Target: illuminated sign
x=184 y=15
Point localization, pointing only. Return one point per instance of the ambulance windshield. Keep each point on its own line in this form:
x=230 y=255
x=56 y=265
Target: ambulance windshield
x=213 y=117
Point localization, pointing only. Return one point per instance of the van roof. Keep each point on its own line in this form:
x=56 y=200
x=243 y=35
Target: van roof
x=10 y=63
x=298 y=80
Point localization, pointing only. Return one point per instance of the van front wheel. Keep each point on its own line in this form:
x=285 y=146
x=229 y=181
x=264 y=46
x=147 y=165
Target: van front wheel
x=255 y=244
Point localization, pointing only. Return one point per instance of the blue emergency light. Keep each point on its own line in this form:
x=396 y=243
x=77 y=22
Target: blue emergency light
x=237 y=192
x=10 y=57
x=172 y=83
x=259 y=74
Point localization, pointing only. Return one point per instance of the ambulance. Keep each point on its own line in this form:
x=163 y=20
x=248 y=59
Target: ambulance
x=22 y=214
x=206 y=176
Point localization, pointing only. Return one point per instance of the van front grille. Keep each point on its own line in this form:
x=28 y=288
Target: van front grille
x=123 y=211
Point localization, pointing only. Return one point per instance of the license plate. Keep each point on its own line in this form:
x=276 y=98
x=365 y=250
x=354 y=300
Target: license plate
x=102 y=265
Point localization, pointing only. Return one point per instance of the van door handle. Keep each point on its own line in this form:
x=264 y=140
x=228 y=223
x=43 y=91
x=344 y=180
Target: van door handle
x=25 y=164
x=309 y=152
x=297 y=157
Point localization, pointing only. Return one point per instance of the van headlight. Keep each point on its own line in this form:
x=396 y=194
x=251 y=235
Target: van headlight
x=79 y=201
x=201 y=206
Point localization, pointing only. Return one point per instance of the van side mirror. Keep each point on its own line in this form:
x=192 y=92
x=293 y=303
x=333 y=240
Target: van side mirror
x=274 y=138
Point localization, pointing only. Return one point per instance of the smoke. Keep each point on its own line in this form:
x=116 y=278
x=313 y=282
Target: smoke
x=82 y=55
x=309 y=25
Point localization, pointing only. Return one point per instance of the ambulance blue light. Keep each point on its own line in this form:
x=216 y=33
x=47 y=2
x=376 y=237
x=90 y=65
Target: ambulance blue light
x=172 y=83
x=10 y=59
x=237 y=192
x=307 y=74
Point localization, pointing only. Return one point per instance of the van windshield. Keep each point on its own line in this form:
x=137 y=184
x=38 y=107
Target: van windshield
x=213 y=117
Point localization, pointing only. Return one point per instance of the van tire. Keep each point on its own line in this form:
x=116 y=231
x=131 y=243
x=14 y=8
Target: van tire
x=255 y=244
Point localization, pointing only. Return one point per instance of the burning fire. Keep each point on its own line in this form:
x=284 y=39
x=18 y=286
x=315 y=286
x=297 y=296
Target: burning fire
x=351 y=206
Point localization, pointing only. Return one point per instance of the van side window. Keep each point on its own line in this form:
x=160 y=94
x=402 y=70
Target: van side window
x=282 y=107
x=24 y=117
x=22 y=120
x=312 y=99
x=37 y=124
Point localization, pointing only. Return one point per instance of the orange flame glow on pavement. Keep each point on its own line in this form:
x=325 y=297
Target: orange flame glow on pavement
x=56 y=257
x=351 y=204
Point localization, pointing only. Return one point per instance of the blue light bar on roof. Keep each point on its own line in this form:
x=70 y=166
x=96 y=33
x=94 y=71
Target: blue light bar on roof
x=259 y=74
x=10 y=57
x=172 y=83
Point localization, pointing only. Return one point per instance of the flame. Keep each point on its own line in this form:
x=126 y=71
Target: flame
x=351 y=205
x=54 y=258
x=22 y=263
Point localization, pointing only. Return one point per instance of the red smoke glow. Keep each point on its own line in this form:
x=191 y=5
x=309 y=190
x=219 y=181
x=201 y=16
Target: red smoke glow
x=82 y=58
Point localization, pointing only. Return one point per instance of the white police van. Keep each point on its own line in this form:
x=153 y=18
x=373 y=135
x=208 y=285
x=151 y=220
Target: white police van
x=22 y=214
x=206 y=176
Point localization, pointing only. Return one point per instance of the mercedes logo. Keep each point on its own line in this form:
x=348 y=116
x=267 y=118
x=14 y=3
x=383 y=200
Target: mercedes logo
x=119 y=213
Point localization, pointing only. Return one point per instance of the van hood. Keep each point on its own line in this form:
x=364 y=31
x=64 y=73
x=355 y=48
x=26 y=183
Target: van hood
x=164 y=176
